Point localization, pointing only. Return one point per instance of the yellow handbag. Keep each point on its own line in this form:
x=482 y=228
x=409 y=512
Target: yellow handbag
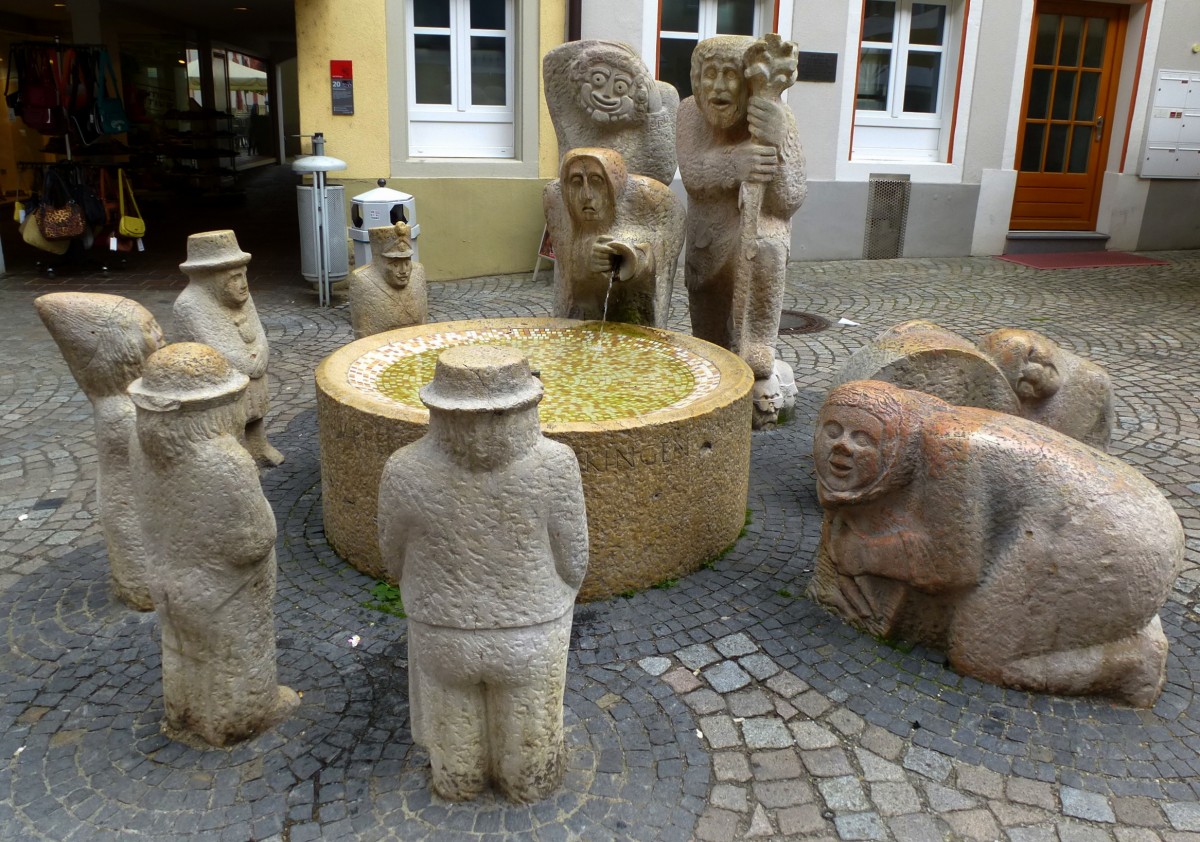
x=130 y=225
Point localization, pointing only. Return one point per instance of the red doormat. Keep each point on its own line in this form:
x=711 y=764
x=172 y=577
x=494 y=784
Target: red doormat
x=1081 y=259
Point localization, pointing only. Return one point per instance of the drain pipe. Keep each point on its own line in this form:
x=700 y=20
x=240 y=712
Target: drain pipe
x=574 y=16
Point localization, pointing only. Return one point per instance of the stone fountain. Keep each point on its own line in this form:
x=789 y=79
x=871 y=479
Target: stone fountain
x=659 y=421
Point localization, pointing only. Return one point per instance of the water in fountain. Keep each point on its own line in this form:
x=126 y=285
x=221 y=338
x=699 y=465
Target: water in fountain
x=612 y=279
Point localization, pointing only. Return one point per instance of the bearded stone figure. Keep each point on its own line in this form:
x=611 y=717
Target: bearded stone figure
x=600 y=93
x=216 y=309
x=210 y=536
x=617 y=238
x=1055 y=387
x=1035 y=561
x=389 y=292
x=105 y=340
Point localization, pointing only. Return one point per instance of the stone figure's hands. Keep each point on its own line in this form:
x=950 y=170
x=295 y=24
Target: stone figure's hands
x=603 y=253
x=768 y=124
x=754 y=162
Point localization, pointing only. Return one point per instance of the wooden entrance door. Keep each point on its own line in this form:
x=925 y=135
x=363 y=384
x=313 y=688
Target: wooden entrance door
x=1067 y=113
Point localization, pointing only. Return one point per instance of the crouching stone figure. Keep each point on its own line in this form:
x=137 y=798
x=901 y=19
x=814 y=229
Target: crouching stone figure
x=1035 y=561
x=210 y=536
x=482 y=522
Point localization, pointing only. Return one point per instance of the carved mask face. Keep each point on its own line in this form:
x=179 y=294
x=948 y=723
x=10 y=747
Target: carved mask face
x=232 y=289
x=607 y=94
x=848 y=449
x=589 y=198
x=397 y=272
x=722 y=95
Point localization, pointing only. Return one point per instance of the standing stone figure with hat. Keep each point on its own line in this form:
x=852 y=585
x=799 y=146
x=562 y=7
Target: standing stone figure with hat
x=482 y=522
x=105 y=340
x=216 y=308
x=389 y=292
x=210 y=537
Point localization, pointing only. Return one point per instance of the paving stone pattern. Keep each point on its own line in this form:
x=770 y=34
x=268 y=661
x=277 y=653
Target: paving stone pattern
x=726 y=706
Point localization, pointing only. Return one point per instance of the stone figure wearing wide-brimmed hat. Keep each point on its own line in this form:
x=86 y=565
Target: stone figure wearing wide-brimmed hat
x=1035 y=561
x=216 y=308
x=105 y=340
x=389 y=292
x=210 y=537
x=482 y=522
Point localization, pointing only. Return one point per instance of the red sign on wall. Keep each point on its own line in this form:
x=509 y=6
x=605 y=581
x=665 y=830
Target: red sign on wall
x=341 y=76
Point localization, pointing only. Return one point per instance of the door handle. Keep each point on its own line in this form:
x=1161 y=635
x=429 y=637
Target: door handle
x=1099 y=128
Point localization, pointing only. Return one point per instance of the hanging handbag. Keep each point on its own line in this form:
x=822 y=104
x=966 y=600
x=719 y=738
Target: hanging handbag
x=31 y=234
x=110 y=113
x=59 y=216
x=128 y=225
x=41 y=102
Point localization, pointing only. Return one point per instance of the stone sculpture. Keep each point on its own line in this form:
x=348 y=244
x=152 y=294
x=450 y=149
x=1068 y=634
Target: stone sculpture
x=105 y=340
x=1055 y=387
x=1033 y=560
x=743 y=169
x=482 y=522
x=921 y=355
x=617 y=238
x=210 y=536
x=389 y=292
x=215 y=308
x=600 y=93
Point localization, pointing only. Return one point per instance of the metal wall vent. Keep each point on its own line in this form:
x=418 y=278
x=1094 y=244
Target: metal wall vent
x=887 y=216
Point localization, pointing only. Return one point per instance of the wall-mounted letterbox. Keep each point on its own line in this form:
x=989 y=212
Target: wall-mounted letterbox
x=1173 y=140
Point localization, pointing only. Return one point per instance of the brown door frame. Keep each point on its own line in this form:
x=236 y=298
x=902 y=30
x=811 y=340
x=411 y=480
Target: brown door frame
x=1092 y=180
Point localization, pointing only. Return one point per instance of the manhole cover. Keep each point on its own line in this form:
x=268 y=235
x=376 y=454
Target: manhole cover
x=793 y=321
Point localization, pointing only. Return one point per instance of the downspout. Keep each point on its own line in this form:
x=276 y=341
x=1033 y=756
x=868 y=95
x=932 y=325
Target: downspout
x=574 y=19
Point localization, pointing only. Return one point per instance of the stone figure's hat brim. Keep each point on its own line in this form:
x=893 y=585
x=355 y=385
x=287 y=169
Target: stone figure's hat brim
x=481 y=378
x=212 y=250
x=217 y=394
x=400 y=252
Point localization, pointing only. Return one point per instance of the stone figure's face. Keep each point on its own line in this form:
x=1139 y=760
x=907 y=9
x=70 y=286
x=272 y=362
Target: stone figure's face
x=848 y=449
x=1038 y=378
x=589 y=198
x=152 y=334
x=232 y=288
x=397 y=272
x=607 y=93
x=722 y=95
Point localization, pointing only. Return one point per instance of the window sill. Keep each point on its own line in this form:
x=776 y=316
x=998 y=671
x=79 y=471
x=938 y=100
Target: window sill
x=464 y=168
x=929 y=172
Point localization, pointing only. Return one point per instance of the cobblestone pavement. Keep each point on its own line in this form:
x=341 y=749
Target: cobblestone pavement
x=724 y=706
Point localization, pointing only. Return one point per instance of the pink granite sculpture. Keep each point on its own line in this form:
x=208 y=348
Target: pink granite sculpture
x=617 y=238
x=600 y=93
x=743 y=168
x=1033 y=560
x=210 y=537
x=482 y=522
x=105 y=340
x=215 y=308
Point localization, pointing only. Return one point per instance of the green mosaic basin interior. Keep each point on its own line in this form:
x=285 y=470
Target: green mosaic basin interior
x=590 y=372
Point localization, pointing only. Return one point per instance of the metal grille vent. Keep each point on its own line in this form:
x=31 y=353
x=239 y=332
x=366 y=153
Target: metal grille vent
x=887 y=216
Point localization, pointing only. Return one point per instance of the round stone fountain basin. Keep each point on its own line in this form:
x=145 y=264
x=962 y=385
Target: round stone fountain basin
x=659 y=421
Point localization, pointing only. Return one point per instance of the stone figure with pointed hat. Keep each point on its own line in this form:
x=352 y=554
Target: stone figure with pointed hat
x=1055 y=387
x=210 y=536
x=617 y=239
x=600 y=93
x=743 y=169
x=215 y=308
x=482 y=522
x=389 y=292
x=105 y=340
x=1035 y=561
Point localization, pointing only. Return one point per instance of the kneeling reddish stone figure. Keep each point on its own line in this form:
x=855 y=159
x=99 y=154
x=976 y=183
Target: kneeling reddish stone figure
x=210 y=536
x=482 y=522
x=1035 y=561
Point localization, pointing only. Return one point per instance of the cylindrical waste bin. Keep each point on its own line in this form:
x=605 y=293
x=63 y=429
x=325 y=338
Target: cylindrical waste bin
x=322 y=214
x=375 y=209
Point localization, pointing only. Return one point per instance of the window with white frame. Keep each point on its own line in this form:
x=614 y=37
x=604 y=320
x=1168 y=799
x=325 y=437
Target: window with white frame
x=905 y=84
x=685 y=23
x=460 y=71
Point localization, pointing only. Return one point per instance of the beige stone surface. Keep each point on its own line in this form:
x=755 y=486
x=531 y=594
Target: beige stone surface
x=664 y=493
x=210 y=539
x=105 y=340
x=390 y=291
x=1035 y=561
x=600 y=93
x=216 y=309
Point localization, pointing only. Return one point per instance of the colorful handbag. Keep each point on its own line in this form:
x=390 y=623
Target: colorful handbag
x=110 y=113
x=128 y=225
x=33 y=236
x=59 y=216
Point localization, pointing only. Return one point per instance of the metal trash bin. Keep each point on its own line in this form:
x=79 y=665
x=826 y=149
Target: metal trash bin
x=322 y=212
x=375 y=209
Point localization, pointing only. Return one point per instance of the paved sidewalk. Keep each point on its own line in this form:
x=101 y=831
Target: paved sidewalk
x=726 y=706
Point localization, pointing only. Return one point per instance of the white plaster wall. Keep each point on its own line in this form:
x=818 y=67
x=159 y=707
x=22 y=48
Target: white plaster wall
x=997 y=85
x=616 y=20
x=820 y=26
